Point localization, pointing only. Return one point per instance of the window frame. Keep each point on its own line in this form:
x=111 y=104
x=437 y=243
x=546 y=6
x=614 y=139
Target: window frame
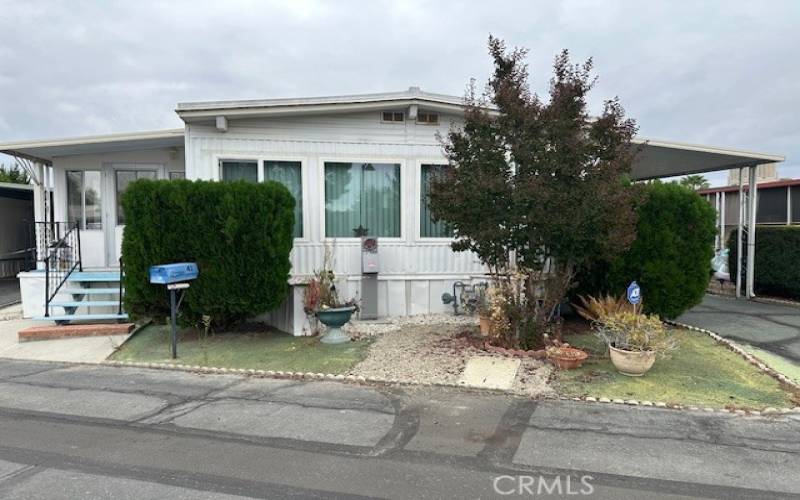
x=130 y=168
x=82 y=222
x=349 y=159
x=418 y=202
x=427 y=113
x=260 y=159
x=181 y=172
x=393 y=121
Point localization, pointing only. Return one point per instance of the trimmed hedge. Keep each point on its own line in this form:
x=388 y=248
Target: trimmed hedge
x=240 y=235
x=777 y=265
x=671 y=256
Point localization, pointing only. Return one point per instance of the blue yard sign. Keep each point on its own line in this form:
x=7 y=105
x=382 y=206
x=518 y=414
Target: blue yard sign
x=634 y=293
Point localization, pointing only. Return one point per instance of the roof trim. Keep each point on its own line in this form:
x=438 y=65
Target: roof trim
x=413 y=93
x=92 y=139
x=761 y=185
x=15 y=185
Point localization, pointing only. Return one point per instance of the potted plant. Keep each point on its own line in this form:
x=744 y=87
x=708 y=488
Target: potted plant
x=566 y=357
x=634 y=341
x=321 y=301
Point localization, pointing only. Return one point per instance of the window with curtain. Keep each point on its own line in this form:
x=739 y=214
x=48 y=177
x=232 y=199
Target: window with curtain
x=123 y=178
x=237 y=170
x=84 y=202
x=289 y=174
x=428 y=228
x=362 y=195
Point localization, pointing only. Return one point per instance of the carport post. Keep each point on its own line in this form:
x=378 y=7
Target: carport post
x=751 y=230
x=739 y=237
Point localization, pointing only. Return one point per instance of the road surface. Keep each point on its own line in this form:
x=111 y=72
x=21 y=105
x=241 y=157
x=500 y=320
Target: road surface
x=82 y=431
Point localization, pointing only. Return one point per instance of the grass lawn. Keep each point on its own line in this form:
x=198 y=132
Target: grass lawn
x=699 y=373
x=257 y=348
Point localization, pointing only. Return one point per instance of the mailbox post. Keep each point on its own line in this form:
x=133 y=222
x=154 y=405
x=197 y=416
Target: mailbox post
x=369 y=277
x=175 y=277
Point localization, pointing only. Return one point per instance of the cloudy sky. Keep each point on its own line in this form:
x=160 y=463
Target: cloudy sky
x=724 y=73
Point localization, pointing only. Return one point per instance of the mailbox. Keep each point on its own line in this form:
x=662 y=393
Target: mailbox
x=175 y=277
x=369 y=255
x=173 y=273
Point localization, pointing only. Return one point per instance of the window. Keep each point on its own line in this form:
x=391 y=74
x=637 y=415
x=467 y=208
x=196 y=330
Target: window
x=393 y=116
x=362 y=196
x=289 y=174
x=84 y=202
x=177 y=175
x=428 y=228
x=123 y=179
x=233 y=170
x=428 y=118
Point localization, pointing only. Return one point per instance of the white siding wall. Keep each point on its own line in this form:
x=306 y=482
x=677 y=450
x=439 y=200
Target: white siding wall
x=101 y=248
x=414 y=271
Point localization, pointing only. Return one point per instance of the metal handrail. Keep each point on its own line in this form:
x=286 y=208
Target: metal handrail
x=60 y=260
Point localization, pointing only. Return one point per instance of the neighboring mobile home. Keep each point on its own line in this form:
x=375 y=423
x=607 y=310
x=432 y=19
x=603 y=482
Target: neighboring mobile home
x=351 y=161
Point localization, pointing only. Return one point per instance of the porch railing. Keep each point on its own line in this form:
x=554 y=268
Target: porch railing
x=60 y=243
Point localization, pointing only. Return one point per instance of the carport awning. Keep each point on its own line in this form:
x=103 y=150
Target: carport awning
x=46 y=150
x=657 y=159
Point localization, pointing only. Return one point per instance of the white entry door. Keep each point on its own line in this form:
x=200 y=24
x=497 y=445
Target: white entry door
x=120 y=175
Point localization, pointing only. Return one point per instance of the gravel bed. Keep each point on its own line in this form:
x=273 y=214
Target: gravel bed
x=425 y=350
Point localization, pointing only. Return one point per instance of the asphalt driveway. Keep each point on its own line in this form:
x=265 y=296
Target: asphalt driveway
x=772 y=327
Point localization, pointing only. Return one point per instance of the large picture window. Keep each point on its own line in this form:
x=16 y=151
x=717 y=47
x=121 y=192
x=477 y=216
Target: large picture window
x=123 y=178
x=289 y=174
x=238 y=170
x=428 y=228
x=362 y=196
x=84 y=202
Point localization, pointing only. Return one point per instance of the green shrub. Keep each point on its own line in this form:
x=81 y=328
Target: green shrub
x=777 y=264
x=240 y=235
x=671 y=256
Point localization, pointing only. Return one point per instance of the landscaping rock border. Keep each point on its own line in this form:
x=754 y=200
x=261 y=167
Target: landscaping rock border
x=383 y=381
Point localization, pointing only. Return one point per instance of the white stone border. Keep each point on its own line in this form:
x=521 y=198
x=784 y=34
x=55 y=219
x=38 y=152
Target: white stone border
x=383 y=381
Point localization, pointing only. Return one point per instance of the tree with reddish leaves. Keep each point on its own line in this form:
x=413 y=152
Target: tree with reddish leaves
x=538 y=189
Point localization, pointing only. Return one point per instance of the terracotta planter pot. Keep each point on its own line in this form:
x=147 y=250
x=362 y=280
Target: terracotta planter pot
x=569 y=359
x=486 y=325
x=632 y=363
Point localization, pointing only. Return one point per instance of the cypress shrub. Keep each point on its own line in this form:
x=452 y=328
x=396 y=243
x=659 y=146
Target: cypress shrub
x=670 y=257
x=777 y=264
x=239 y=234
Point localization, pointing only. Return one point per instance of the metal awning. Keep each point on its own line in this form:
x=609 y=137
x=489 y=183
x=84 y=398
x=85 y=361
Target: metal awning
x=657 y=159
x=45 y=150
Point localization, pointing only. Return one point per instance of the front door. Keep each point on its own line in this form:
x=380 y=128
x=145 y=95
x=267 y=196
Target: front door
x=120 y=175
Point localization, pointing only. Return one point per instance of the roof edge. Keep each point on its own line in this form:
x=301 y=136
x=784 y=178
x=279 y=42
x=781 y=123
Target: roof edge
x=768 y=158
x=93 y=139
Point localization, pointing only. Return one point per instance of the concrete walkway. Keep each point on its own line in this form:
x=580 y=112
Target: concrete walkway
x=75 y=350
x=774 y=328
x=104 y=432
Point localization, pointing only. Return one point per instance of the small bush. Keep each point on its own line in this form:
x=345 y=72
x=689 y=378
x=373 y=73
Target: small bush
x=777 y=264
x=240 y=235
x=671 y=256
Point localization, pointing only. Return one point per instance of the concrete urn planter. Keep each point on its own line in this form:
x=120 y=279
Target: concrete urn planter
x=334 y=319
x=632 y=363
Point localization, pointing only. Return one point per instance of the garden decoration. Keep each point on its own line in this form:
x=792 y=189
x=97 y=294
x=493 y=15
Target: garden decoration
x=321 y=301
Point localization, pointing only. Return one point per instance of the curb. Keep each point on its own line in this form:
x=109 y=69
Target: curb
x=733 y=346
x=357 y=379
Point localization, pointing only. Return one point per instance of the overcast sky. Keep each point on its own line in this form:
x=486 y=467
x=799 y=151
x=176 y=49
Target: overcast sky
x=723 y=73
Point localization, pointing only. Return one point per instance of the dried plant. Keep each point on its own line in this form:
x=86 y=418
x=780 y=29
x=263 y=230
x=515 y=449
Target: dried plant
x=598 y=308
x=635 y=332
